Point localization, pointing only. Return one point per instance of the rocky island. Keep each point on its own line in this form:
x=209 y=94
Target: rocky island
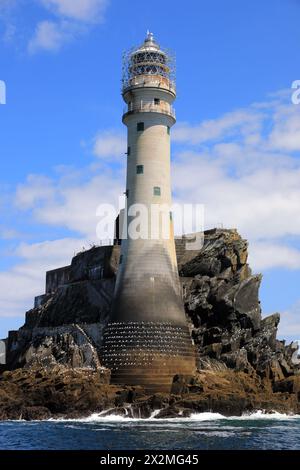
x=53 y=363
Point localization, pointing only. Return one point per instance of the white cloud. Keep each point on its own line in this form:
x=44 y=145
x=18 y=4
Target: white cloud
x=71 y=202
x=65 y=21
x=290 y=322
x=50 y=253
x=49 y=36
x=243 y=168
x=7 y=8
x=257 y=194
x=9 y=33
x=9 y=233
x=68 y=202
x=109 y=144
x=90 y=11
x=38 y=188
x=246 y=122
x=266 y=255
x=20 y=284
x=286 y=132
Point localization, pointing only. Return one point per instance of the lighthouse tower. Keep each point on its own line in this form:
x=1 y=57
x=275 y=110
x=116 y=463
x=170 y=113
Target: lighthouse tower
x=147 y=341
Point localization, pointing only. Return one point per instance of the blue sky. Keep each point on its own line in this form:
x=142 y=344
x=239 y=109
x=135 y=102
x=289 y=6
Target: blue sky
x=236 y=145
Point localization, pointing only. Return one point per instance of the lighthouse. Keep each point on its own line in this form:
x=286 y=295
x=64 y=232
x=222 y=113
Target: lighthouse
x=147 y=340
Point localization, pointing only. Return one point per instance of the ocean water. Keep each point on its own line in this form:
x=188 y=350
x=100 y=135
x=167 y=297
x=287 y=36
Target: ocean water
x=201 y=431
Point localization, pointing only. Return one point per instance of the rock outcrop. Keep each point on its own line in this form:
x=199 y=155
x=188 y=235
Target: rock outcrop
x=39 y=393
x=222 y=300
x=242 y=366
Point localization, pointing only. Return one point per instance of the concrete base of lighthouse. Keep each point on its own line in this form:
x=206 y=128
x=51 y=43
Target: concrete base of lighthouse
x=148 y=354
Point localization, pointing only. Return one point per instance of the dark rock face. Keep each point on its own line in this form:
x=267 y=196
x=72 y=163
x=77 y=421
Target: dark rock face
x=222 y=302
x=66 y=326
x=81 y=302
x=98 y=262
x=242 y=365
x=75 y=346
x=40 y=393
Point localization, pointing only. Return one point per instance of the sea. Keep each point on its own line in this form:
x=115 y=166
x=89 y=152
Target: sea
x=205 y=431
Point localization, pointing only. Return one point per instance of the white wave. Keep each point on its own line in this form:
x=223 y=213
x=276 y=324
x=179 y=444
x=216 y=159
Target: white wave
x=93 y=418
x=103 y=417
x=154 y=414
x=261 y=414
x=208 y=416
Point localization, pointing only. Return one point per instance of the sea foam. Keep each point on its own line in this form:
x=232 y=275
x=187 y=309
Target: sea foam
x=194 y=417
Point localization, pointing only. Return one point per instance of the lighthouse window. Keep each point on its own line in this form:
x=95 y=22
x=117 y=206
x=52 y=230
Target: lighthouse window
x=140 y=169
x=140 y=126
x=156 y=191
x=128 y=151
x=156 y=101
x=168 y=130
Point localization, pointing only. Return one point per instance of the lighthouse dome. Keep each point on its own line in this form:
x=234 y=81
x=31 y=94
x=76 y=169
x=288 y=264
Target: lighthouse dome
x=148 y=59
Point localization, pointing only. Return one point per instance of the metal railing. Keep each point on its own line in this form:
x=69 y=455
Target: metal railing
x=149 y=108
x=149 y=81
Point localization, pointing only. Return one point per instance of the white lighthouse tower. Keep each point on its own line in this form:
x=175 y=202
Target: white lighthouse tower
x=147 y=341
